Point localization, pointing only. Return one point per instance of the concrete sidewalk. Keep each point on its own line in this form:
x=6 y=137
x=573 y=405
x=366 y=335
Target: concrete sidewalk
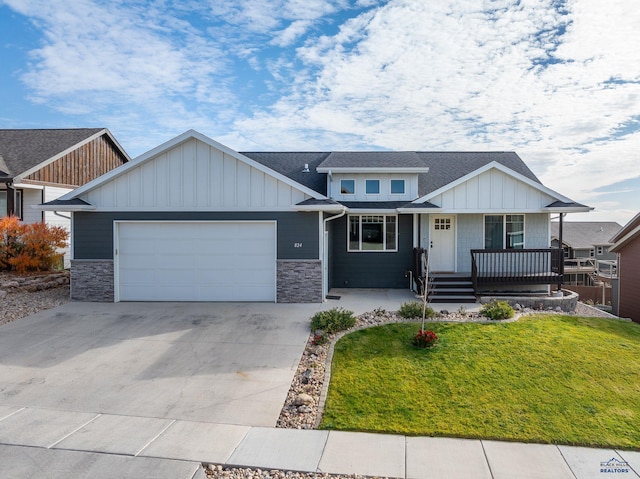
x=39 y=442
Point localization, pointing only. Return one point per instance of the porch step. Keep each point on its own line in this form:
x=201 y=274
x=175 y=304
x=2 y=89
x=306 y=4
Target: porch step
x=454 y=298
x=444 y=288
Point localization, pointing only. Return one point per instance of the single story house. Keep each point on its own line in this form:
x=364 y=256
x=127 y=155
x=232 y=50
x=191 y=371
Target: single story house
x=193 y=220
x=41 y=165
x=626 y=244
x=586 y=244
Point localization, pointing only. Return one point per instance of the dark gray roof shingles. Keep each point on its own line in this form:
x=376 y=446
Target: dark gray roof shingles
x=22 y=150
x=585 y=234
x=444 y=167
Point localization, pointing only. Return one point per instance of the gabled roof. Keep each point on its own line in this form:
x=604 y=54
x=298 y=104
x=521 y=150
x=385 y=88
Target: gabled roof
x=168 y=145
x=25 y=151
x=435 y=169
x=585 y=234
x=446 y=167
x=628 y=232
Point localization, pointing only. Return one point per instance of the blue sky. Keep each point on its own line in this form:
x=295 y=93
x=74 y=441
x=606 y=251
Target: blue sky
x=557 y=81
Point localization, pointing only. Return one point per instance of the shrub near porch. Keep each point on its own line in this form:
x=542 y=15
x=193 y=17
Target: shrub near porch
x=551 y=379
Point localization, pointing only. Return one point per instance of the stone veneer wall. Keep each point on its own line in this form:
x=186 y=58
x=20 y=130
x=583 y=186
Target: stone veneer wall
x=299 y=281
x=92 y=280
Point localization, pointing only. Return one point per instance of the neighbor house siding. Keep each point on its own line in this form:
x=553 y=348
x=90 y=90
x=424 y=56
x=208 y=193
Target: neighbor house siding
x=371 y=269
x=629 y=280
x=297 y=232
x=81 y=165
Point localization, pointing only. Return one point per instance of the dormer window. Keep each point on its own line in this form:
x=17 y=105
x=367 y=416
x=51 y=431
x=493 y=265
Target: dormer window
x=347 y=187
x=372 y=187
x=397 y=187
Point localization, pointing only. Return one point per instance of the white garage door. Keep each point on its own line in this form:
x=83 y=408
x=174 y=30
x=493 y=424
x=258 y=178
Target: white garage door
x=196 y=261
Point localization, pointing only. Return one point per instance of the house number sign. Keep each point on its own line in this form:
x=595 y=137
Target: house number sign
x=297 y=245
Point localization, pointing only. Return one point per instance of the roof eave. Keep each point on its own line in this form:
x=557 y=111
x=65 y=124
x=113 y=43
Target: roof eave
x=67 y=208
x=625 y=239
x=568 y=209
x=321 y=208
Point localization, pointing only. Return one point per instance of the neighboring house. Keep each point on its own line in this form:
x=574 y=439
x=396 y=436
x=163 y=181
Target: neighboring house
x=41 y=165
x=586 y=244
x=626 y=244
x=193 y=220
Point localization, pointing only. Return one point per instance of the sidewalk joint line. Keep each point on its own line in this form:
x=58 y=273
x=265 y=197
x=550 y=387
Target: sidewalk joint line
x=156 y=437
x=74 y=431
x=13 y=413
x=324 y=448
x=486 y=458
x=565 y=461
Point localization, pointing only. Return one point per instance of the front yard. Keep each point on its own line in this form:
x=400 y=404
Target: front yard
x=551 y=379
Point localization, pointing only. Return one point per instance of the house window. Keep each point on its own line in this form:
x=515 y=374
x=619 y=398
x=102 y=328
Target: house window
x=347 y=187
x=3 y=203
x=372 y=187
x=373 y=233
x=397 y=187
x=600 y=250
x=18 y=205
x=592 y=253
x=504 y=231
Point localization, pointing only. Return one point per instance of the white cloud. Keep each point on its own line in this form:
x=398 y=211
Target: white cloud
x=554 y=81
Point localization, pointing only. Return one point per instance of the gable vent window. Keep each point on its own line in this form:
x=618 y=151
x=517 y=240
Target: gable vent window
x=373 y=233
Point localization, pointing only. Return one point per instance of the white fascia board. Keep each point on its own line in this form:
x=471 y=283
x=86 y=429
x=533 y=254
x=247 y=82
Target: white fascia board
x=419 y=210
x=28 y=186
x=187 y=135
x=39 y=166
x=372 y=211
x=622 y=241
x=503 y=169
x=322 y=208
x=484 y=211
x=69 y=208
x=369 y=170
x=623 y=230
x=569 y=209
x=181 y=209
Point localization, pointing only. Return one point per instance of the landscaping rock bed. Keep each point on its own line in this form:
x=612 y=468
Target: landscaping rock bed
x=22 y=296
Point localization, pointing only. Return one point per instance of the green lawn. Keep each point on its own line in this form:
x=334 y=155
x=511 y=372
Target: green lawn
x=553 y=379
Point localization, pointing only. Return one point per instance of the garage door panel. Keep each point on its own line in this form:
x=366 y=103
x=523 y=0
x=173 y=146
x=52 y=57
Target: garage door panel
x=206 y=261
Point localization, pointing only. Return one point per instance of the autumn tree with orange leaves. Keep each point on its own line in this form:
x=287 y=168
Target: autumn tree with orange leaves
x=29 y=247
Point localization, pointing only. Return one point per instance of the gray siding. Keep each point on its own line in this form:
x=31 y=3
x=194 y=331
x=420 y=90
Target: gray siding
x=469 y=231
x=93 y=232
x=370 y=270
x=536 y=230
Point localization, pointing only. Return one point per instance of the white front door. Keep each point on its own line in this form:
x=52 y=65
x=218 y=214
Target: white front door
x=442 y=251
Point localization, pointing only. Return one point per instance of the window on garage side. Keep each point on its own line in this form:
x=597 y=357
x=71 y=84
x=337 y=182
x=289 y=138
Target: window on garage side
x=373 y=233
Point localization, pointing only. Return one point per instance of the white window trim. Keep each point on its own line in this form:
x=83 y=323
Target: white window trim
x=384 y=234
x=504 y=228
x=355 y=186
x=404 y=186
x=365 y=187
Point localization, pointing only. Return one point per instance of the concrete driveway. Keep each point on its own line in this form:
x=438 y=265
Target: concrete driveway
x=210 y=362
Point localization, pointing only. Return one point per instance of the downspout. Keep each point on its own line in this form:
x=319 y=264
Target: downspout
x=326 y=245
x=62 y=216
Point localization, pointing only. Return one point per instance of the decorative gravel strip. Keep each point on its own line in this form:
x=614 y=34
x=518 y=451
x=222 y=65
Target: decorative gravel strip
x=219 y=472
x=22 y=303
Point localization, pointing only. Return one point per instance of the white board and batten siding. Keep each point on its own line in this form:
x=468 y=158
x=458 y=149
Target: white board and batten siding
x=492 y=190
x=195 y=261
x=194 y=176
